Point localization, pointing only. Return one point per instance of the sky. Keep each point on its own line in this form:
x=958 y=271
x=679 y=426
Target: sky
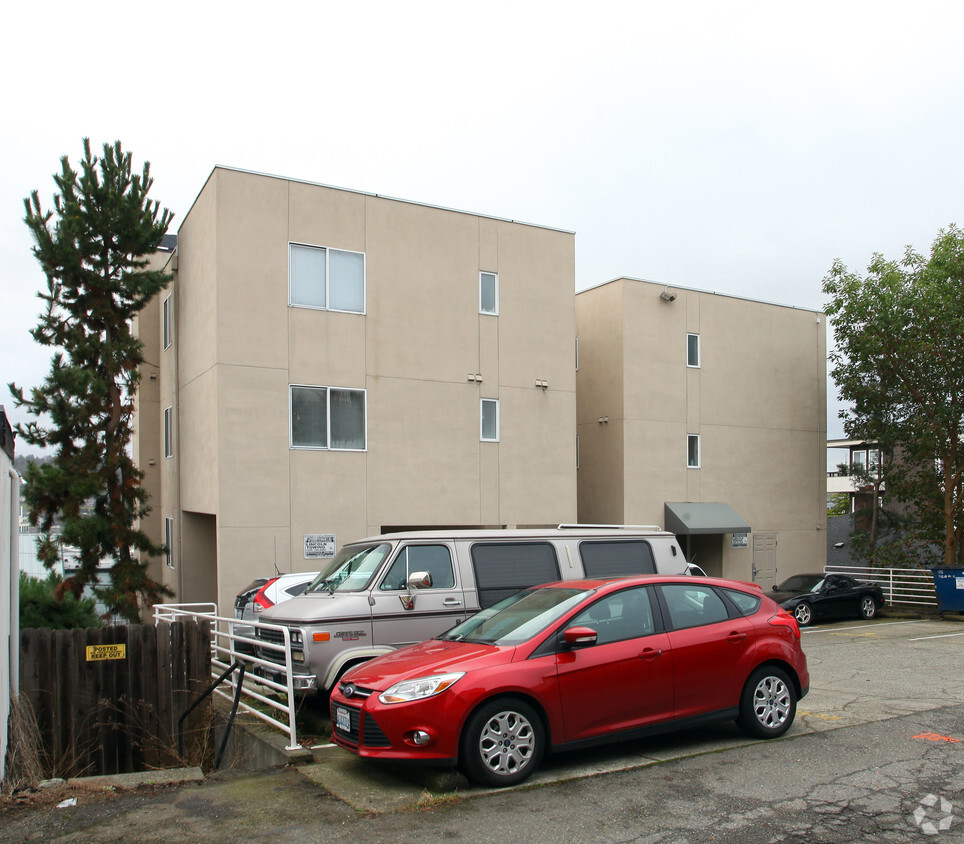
x=738 y=147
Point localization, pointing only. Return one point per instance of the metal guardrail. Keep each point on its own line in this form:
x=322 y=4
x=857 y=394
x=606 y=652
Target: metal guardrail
x=253 y=697
x=900 y=586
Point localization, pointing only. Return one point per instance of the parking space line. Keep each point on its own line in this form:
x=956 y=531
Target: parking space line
x=938 y=636
x=856 y=627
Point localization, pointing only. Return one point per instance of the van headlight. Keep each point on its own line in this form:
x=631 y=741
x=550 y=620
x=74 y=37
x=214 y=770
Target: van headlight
x=421 y=687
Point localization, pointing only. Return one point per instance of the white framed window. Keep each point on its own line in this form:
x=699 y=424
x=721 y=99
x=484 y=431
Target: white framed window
x=693 y=350
x=168 y=431
x=489 y=424
x=577 y=354
x=168 y=321
x=332 y=418
x=328 y=279
x=169 y=542
x=693 y=451
x=489 y=293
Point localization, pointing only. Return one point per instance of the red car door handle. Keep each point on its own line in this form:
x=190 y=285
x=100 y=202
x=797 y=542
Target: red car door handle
x=649 y=653
x=736 y=636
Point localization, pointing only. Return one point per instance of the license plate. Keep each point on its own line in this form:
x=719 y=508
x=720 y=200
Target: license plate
x=342 y=719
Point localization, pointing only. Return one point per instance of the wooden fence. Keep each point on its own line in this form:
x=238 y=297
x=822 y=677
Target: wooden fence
x=107 y=700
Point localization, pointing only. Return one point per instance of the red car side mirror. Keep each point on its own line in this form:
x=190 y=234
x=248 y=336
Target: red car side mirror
x=579 y=637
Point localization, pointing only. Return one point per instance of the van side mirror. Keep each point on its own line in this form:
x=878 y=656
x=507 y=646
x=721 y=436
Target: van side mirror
x=419 y=580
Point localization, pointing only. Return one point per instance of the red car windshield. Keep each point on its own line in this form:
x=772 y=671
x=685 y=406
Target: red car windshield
x=517 y=618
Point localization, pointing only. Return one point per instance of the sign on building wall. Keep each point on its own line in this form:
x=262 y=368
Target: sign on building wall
x=319 y=545
x=739 y=540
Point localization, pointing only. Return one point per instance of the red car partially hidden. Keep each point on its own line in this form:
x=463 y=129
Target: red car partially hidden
x=573 y=664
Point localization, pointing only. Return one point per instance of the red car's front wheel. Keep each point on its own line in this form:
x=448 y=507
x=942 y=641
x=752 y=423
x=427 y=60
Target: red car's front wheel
x=502 y=743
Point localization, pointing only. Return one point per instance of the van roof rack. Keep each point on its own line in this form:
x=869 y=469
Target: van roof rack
x=607 y=527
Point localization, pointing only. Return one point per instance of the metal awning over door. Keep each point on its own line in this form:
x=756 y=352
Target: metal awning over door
x=703 y=517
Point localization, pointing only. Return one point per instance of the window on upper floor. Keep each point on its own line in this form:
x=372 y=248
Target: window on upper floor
x=330 y=279
x=168 y=431
x=168 y=321
x=169 y=542
x=693 y=451
x=490 y=420
x=328 y=417
x=489 y=293
x=693 y=350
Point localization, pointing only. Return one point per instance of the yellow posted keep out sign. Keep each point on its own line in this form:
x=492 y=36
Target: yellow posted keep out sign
x=97 y=652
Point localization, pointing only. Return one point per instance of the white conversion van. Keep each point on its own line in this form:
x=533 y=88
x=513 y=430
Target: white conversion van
x=387 y=591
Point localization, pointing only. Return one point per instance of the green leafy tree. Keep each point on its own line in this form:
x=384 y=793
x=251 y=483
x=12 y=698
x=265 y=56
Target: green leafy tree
x=838 y=504
x=94 y=249
x=40 y=606
x=899 y=362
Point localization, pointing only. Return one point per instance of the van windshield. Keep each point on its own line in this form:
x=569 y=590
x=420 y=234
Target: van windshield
x=351 y=570
x=518 y=618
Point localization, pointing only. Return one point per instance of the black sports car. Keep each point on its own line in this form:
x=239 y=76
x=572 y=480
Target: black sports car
x=818 y=597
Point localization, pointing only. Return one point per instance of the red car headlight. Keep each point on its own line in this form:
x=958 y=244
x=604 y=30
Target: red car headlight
x=419 y=688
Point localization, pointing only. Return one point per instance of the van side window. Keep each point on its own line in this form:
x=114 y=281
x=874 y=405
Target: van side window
x=435 y=559
x=503 y=568
x=611 y=559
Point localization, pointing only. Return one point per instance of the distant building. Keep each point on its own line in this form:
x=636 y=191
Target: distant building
x=705 y=413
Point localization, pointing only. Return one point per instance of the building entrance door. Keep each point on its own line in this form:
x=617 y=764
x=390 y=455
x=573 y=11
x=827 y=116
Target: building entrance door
x=765 y=560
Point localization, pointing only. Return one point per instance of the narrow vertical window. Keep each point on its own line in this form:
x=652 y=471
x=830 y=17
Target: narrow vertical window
x=693 y=451
x=693 y=350
x=490 y=420
x=168 y=327
x=169 y=542
x=577 y=354
x=168 y=431
x=489 y=293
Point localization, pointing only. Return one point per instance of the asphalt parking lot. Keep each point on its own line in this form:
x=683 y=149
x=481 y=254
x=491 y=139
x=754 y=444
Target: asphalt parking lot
x=876 y=754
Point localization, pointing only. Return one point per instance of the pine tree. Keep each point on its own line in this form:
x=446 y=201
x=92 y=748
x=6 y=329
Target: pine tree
x=94 y=249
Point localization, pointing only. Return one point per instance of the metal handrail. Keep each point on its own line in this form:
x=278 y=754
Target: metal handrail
x=237 y=666
x=900 y=586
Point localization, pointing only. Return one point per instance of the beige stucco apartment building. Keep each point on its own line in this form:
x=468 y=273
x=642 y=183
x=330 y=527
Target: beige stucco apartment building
x=707 y=414
x=329 y=364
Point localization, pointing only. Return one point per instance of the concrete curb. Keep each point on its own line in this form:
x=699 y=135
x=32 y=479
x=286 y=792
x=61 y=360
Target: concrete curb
x=169 y=776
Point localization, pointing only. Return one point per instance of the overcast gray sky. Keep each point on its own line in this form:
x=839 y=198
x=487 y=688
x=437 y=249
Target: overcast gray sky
x=738 y=147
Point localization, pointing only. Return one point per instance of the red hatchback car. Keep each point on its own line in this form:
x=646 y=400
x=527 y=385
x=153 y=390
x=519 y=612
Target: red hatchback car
x=573 y=664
